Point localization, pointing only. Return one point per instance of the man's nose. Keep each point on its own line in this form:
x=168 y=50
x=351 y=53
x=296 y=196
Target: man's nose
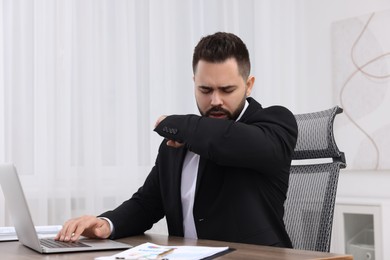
x=216 y=99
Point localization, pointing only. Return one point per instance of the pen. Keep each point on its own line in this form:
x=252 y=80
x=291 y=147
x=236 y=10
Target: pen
x=122 y=257
x=165 y=253
x=135 y=257
x=159 y=256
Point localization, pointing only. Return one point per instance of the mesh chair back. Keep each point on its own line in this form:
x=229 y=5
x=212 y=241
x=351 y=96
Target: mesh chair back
x=309 y=206
x=315 y=135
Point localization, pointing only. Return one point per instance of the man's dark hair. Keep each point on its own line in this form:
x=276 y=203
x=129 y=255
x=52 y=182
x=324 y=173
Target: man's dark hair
x=221 y=46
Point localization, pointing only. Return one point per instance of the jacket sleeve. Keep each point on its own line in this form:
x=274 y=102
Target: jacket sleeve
x=140 y=212
x=267 y=135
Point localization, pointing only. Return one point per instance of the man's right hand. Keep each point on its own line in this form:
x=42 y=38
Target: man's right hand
x=88 y=226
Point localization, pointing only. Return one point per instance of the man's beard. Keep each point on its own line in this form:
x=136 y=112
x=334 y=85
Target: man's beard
x=229 y=115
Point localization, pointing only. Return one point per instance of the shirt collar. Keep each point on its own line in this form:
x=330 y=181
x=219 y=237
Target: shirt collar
x=243 y=110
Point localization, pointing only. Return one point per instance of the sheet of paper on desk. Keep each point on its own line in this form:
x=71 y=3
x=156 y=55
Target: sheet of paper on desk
x=9 y=234
x=153 y=251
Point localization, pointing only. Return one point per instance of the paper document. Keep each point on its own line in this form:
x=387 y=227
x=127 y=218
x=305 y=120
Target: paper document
x=153 y=251
x=9 y=234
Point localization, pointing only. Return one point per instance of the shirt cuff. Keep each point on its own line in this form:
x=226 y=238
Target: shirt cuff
x=112 y=229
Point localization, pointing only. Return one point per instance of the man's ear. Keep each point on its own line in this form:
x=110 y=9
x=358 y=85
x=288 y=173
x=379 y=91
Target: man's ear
x=249 y=85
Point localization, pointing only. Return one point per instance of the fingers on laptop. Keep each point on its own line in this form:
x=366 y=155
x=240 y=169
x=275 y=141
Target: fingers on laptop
x=74 y=228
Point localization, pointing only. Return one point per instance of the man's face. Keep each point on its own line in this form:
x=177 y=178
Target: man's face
x=220 y=90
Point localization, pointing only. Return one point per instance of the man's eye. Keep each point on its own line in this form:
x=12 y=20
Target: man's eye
x=205 y=90
x=228 y=90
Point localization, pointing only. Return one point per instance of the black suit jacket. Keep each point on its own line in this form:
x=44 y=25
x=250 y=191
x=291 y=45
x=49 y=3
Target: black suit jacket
x=242 y=178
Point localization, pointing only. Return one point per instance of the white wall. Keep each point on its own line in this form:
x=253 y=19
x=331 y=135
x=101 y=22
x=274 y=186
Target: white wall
x=318 y=17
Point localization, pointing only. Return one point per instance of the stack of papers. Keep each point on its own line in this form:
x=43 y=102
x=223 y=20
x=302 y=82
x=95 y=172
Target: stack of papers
x=153 y=251
x=9 y=234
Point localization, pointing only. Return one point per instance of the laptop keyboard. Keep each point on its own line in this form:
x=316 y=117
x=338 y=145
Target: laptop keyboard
x=51 y=243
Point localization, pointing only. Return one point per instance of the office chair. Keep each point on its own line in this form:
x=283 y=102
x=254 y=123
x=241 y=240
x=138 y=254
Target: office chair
x=309 y=206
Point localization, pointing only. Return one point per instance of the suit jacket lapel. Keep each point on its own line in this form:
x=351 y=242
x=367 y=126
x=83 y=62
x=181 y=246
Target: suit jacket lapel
x=201 y=170
x=253 y=107
x=178 y=170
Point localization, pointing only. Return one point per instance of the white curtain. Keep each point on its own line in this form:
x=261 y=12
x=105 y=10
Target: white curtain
x=83 y=81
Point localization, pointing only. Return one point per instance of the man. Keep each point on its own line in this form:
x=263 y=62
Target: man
x=222 y=175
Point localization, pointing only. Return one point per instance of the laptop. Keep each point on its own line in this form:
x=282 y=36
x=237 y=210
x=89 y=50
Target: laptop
x=24 y=226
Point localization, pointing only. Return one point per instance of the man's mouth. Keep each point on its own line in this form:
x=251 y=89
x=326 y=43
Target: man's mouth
x=217 y=115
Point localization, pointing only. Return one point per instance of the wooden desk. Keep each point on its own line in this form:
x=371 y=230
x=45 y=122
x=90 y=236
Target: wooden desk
x=15 y=250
